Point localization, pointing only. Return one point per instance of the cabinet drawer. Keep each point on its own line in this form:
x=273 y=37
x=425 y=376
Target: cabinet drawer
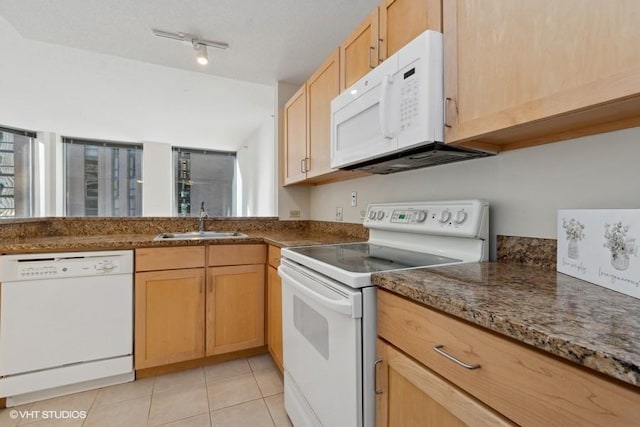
x=274 y=256
x=237 y=254
x=521 y=383
x=150 y=259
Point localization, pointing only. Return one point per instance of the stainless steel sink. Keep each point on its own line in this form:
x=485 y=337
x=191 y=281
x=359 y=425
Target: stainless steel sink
x=200 y=235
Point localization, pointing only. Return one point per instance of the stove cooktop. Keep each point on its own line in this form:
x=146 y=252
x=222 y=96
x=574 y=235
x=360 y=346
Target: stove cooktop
x=370 y=258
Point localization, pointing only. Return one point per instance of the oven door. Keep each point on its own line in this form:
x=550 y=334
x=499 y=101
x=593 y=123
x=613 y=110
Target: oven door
x=322 y=324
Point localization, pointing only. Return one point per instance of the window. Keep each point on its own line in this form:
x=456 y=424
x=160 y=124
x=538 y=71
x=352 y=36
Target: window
x=102 y=178
x=203 y=176
x=16 y=173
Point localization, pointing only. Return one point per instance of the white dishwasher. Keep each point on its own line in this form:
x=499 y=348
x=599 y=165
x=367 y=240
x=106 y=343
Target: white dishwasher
x=66 y=323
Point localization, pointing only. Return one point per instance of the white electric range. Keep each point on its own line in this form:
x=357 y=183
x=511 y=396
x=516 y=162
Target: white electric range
x=329 y=303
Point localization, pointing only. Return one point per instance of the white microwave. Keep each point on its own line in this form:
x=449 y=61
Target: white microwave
x=392 y=119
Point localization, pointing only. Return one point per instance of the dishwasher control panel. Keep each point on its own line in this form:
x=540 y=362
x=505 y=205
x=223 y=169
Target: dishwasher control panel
x=50 y=266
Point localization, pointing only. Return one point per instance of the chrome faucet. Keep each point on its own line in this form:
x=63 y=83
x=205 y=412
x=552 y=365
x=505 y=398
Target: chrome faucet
x=202 y=216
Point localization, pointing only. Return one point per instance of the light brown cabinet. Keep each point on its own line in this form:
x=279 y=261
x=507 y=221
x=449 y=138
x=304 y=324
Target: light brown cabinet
x=520 y=73
x=274 y=308
x=235 y=308
x=307 y=125
x=169 y=306
x=409 y=394
x=188 y=313
x=403 y=20
x=359 y=51
x=518 y=382
x=294 y=150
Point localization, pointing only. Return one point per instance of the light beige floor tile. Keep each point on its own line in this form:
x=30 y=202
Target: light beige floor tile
x=130 y=413
x=203 y=420
x=269 y=382
x=8 y=418
x=232 y=391
x=226 y=369
x=127 y=391
x=72 y=402
x=276 y=409
x=175 y=405
x=262 y=362
x=250 y=414
x=177 y=381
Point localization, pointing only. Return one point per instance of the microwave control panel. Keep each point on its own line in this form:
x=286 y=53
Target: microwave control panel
x=409 y=99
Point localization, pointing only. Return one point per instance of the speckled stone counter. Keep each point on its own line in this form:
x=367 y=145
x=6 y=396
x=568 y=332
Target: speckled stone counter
x=576 y=320
x=90 y=234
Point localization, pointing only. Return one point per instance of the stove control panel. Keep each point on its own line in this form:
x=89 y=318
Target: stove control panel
x=465 y=218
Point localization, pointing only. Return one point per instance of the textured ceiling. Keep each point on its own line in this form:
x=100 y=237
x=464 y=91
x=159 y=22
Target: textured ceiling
x=270 y=40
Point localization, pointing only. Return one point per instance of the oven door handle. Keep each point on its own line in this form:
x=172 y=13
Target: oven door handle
x=344 y=306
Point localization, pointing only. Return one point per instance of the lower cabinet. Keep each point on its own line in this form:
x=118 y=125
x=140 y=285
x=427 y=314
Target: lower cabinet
x=183 y=314
x=235 y=308
x=437 y=368
x=274 y=307
x=409 y=394
x=169 y=316
x=274 y=320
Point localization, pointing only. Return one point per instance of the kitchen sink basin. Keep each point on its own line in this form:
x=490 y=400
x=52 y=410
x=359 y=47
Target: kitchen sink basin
x=200 y=235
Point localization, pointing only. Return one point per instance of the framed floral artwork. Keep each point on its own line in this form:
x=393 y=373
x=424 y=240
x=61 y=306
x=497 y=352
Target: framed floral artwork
x=601 y=247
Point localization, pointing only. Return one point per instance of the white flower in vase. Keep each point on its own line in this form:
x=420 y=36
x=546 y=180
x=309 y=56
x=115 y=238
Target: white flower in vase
x=574 y=231
x=621 y=246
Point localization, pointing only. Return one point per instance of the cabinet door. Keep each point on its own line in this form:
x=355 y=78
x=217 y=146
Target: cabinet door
x=169 y=316
x=403 y=20
x=359 y=51
x=521 y=73
x=322 y=87
x=235 y=308
x=295 y=138
x=274 y=315
x=409 y=394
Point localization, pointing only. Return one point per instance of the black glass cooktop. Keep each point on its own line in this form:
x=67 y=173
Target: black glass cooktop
x=369 y=258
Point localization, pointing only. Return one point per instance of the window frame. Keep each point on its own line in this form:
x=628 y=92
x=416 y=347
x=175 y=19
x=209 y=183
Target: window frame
x=32 y=135
x=67 y=141
x=175 y=208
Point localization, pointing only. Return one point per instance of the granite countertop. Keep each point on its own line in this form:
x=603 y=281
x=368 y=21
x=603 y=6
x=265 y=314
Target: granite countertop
x=570 y=318
x=132 y=241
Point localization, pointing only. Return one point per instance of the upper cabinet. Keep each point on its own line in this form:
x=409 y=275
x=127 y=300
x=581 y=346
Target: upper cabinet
x=359 y=52
x=322 y=87
x=403 y=20
x=521 y=72
x=307 y=128
x=295 y=138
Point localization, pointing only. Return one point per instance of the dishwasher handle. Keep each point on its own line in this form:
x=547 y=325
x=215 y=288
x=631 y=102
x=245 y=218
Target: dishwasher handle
x=344 y=306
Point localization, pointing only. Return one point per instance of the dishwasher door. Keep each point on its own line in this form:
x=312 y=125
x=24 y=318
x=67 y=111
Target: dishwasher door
x=46 y=323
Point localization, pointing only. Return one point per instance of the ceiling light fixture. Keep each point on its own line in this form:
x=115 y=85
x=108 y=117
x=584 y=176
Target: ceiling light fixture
x=201 y=53
x=200 y=45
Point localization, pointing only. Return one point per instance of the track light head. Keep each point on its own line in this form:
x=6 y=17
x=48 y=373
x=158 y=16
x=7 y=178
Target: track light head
x=202 y=55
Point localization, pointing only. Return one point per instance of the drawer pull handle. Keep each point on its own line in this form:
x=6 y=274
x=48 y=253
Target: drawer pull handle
x=438 y=350
x=375 y=375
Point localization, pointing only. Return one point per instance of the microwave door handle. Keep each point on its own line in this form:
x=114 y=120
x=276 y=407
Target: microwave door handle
x=384 y=117
x=344 y=307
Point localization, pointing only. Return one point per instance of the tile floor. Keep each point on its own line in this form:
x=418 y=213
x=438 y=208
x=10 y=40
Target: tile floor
x=243 y=392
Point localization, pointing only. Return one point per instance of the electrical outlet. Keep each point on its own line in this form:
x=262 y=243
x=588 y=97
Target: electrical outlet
x=338 y=214
x=354 y=199
x=294 y=214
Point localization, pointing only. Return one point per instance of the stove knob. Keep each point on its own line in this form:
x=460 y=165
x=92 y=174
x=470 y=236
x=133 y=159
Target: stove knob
x=380 y=215
x=421 y=216
x=372 y=214
x=461 y=216
x=445 y=216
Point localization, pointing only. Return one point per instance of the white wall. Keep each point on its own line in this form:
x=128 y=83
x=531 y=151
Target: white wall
x=524 y=187
x=70 y=92
x=257 y=166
